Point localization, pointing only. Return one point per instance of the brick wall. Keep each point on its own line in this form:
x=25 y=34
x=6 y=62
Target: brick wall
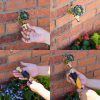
x=9 y=60
x=65 y=28
x=10 y=36
x=87 y=62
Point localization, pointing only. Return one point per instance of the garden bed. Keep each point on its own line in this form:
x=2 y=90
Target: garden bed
x=86 y=42
x=18 y=90
x=75 y=96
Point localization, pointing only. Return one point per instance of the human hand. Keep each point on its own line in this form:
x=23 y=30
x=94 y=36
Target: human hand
x=88 y=94
x=39 y=88
x=82 y=78
x=35 y=86
x=32 y=69
x=35 y=34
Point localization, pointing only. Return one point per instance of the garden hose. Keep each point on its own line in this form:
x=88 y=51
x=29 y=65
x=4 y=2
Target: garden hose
x=69 y=58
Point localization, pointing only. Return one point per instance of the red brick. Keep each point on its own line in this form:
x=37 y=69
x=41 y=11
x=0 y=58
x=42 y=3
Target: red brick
x=92 y=53
x=61 y=2
x=20 y=56
x=98 y=10
x=59 y=84
x=52 y=26
x=44 y=2
x=3 y=60
x=9 y=67
x=88 y=61
x=90 y=75
x=34 y=60
x=2 y=75
x=2 y=28
x=17 y=5
x=93 y=67
x=12 y=27
x=97 y=77
x=8 y=17
x=45 y=58
x=44 y=22
x=43 y=12
x=15 y=46
x=1 y=6
x=80 y=55
x=40 y=52
x=59 y=68
x=33 y=13
x=63 y=20
x=92 y=5
x=82 y=2
x=4 y=53
x=84 y=18
x=97 y=72
x=10 y=38
x=56 y=59
x=62 y=45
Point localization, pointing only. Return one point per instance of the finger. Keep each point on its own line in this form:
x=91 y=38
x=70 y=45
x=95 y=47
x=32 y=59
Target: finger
x=25 y=26
x=24 y=35
x=26 y=41
x=22 y=78
x=76 y=71
x=24 y=64
x=67 y=75
x=15 y=72
x=31 y=27
x=69 y=79
x=29 y=83
x=26 y=32
x=72 y=81
x=17 y=75
x=33 y=82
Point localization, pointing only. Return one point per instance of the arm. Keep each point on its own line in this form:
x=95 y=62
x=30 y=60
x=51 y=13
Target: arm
x=33 y=69
x=93 y=83
x=44 y=93
x=39 y=88
x=88 y=94
x=44 y=70
x=35 y=34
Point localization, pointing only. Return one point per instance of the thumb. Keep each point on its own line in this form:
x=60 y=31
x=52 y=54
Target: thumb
x=24 y=64
x=28 y=84
x=30 y=26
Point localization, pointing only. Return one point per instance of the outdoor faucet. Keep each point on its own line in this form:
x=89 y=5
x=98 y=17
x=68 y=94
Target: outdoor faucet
x=68 y=58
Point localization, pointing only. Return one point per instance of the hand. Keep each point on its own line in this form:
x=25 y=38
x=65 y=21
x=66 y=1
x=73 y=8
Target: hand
x=88 y=94
x=32 y=69
x=35 y=34
x=35 y=86
x=39 y=88
x=82 y=78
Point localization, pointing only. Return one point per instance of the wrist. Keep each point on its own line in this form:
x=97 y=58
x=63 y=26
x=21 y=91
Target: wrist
x=47 y=39
x=44 y=93
x=43 y=70
x=86 y=83
x=39 y=70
